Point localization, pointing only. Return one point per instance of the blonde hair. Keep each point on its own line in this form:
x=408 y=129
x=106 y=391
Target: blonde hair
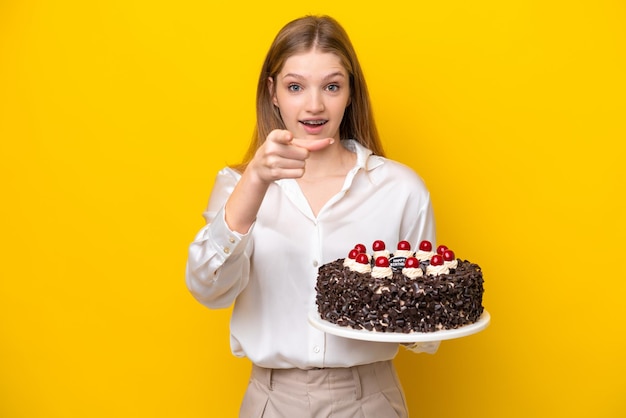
x=327 y=35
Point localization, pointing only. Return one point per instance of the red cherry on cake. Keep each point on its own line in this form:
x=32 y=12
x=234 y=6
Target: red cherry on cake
x=382 y=262
x=352 y=254
x=362 y=258
x=448 y=255
x=412 y=263
x=404 y=246
x=378 y=245
x=436 y=260
x=360 y=248
x=426 y=246
x=441 y=249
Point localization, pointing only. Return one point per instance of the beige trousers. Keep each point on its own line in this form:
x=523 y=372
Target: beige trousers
x=368 y=391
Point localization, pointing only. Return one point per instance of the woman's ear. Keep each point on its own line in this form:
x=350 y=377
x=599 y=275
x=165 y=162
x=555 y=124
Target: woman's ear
x=272 y=90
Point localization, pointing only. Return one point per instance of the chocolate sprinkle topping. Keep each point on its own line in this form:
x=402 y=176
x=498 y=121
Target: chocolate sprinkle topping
x=400 y=304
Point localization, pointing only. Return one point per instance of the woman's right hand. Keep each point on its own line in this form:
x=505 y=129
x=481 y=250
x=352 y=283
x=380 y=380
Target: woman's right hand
x=280 y=157
x=283 y=157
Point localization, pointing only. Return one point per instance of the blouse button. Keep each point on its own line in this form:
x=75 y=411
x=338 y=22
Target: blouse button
x=226 y=250
x=316 y=349
x=231 y=240
x=314 y=263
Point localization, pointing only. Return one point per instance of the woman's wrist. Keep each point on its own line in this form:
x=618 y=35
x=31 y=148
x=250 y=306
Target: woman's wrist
x=243 y=205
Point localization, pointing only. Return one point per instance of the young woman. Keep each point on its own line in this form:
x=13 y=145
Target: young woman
x=313 y=184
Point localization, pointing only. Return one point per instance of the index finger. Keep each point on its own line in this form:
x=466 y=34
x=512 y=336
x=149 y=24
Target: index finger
x=280 y=136
x=313 y=144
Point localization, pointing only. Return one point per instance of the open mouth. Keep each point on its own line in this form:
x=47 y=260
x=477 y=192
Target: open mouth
x=313 y=122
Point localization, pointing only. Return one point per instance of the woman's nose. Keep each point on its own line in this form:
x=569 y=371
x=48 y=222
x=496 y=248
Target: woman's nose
x=315 y=102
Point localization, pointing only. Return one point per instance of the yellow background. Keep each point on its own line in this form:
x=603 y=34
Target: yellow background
x=116 y=115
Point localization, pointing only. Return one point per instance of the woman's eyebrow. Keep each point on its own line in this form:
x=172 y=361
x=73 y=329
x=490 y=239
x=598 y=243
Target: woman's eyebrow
x=335 y=74
x=329 y=76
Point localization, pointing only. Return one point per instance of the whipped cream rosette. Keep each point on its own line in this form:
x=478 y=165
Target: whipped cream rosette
x=449 y=259
x=425 y=251
x=381 y=268
x=351 y=258
x=412 y=268
x=380 y=249
x=362 y=264
x=436 y=266
x=403 y=250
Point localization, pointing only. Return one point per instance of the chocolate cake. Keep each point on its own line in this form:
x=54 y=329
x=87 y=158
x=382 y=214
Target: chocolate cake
x=375 y=293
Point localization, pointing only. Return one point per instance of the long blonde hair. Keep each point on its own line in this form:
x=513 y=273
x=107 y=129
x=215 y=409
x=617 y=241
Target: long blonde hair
x=300 y=36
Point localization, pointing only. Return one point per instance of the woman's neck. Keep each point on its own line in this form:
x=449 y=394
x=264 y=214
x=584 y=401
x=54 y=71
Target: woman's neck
x=333 y=161
x=325 y=174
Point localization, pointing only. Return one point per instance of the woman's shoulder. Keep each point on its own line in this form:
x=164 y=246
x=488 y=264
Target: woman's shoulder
x=227 y=176
x=229 y=172
x=225 y=180
x=392 y=169
x=379 y=166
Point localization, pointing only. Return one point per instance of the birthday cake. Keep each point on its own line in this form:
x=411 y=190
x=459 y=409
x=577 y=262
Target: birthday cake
x=405 y=291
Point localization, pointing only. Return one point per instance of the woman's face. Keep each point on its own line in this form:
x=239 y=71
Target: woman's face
x=312 y=92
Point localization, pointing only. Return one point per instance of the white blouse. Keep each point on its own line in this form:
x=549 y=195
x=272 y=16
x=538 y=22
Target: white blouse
x=270 y=272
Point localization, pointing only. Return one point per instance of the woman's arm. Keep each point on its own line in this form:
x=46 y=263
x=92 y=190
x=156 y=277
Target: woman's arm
x=219 y=258
x=218 y=264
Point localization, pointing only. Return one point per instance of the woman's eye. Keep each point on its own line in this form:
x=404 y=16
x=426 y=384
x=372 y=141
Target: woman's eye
x=294 y=87
x=333 y=87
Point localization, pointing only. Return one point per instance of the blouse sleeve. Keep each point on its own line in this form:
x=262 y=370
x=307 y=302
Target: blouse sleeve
x=218 y=263
x=418 y=219
x=422 y=226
